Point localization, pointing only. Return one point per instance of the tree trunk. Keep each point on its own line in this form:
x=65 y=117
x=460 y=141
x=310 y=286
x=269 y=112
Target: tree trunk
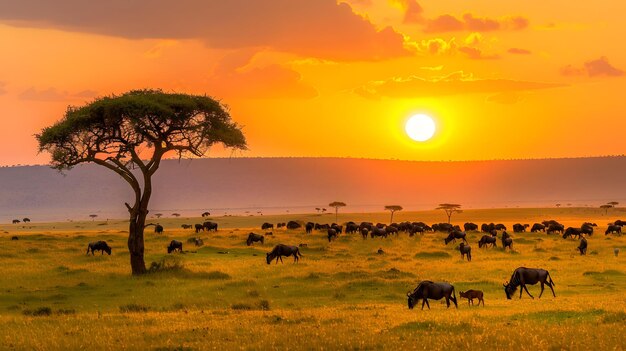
x=391 y=220
x=135 y=243
x=336 y=214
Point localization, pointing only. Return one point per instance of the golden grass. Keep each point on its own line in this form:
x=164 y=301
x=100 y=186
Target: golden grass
x=341 y=295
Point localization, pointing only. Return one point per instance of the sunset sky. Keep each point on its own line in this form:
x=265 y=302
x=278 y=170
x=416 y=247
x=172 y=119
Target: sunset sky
x=502 y=79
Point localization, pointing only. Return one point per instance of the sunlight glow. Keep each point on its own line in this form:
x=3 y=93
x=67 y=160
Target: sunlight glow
x=420 y=127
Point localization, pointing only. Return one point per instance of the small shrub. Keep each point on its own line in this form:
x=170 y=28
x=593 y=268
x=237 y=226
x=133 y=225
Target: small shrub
x=554 y=258
x=167 y=264
x=264 y=305
x=133 y=307
x=253 y=293
x=66 y=311
x=241 y=307
x=38 y=312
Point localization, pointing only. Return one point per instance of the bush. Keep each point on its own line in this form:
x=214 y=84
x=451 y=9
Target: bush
x=264 y=305
x=133 y=307
x=167 y=264
x=241 y=307
x=39 y=312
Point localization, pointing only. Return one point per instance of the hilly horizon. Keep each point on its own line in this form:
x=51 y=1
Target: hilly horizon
x=243 y=186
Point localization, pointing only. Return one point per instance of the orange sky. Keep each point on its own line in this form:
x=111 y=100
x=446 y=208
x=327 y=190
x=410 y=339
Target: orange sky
x=502 y=79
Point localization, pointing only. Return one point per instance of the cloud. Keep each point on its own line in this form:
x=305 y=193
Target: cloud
x=518 y=51
x=449 y=23
x=320 y=28
x=453 y=84
x=237 y=76
x=436 y=46
x=412 y=10
x=506 y=98
x=476 y=54
x=49 y=94
x=594 y=68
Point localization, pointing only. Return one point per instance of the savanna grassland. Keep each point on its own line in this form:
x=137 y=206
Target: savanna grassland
x=342 y=295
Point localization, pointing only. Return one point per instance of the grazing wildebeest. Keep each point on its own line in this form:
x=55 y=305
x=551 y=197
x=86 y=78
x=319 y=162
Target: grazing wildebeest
x=470 y=295
x=252 y=238
x=487 y=239
x=453 y=236
x=364 y=233
x=158 y=229
x=101 y=246
x=26 y=220
x=550 y=222
x=338 y=228
x=620 y=223
x=416 y=229
x=572 y=232
x=199 y=227
x=520 y=228
x=378 y=232
x=332 y=234
x=175 y=245
x=500 y=226
x=281 y=250
x=391 y=229
x=465 y=251
x=186 y=226
x=613 y=229
x=582 y=246
x=208 y=226
x=351 y=228
x=16 y=221
x=309 y=227
x=293 y=225
x=507 y=241
x=538 y=227
x=531 y=276
x=587 y=229
x=470 y=226
x=443 y=227
x=487 y=228
x=267 y=226
x=14 y=237
x=555 y=228
x=426 y=289
x=206 y=214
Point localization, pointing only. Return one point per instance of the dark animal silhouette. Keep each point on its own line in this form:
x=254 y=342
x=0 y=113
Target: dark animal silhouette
x=101 y=246
x=186 y=226
x=309 y=227
x=332 y=234
x=555 y=228
x=206 y=214
x=487 y=228
x=538 y=227
x=391 y=229
x=465 y=251
x=337 y=228
x=620 y=223
x=500 y=226
x=293 y=225
x=26 y=220
x=507 y=242
x=351 y=228
x=582 y=246
x=519 y=228
x=364 y=233
x=470 y=226
x=470 y=295
x=14 y=237
x=158 y=229
x=208 y=226
x=175 y=245
x=572 y=232
x=378 y=232
x=523 y=276
x=613 y=229
x=266 y=225
x=587 y=229
x=199 y=228
x=487 y=240
x=455 y=235
x=429 y=290
x=281 y=250
x=416 y=229
x=253 y=238
x=16 y=221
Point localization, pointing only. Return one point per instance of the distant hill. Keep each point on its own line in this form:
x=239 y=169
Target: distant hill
x=275 y=185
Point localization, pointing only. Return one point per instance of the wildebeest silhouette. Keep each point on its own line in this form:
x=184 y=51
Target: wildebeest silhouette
x=523 y=276
x=466 y=250
x=538 y=227
x=470 y=226
x=175 y=245
x=487 y=240
x=208 y=226
x=613 y=229
x=582 y=246
x=427 y=289
x=281 y=250
x=470 y=295
x=293 y=225
x=101 y=246
x=266 y=225
x=520 y=228
x=332 y=234
x=253 y=238
x=455 y=235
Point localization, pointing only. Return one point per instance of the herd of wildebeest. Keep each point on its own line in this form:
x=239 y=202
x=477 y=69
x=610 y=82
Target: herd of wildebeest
x=425 y=290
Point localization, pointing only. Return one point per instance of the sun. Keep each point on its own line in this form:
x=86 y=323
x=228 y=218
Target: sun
x=420 y=127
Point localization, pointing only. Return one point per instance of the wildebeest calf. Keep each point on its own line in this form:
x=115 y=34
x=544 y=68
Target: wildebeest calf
x=466 y=251
x=582 y=247
x=470 y=295
x=253 y=238
x=281 y=250
x=101 y=246
x=175 y=245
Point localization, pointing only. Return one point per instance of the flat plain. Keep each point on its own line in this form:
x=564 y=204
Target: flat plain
x=341 y=295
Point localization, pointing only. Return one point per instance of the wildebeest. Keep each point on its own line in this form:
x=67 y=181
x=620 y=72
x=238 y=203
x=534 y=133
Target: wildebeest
x=391 y=229
x=332 y=234
x=507 y=241
x=351 y=228
x=572 y=232
x=208 y=226
x=309 y=227
x=16 y=221
x=206 y=214
x=14 y=237
x=500 y=226
x=186 y=226
x=613 y=229
x=520 y=228
x=523 y=276
x=281 y=250
x=416 y=229
x=538 y=227
x=280 y=225
x=620 y=223
x=487 y=239
x=470 y=295
x=199 y=228
x=465 y=251
x=443 y=227
x=175 y=245
x=338 y=228
x=158 y=229
x=582 y=246
x=26 y=220
x=487 y=228
x=293 y=225
x=587 y=228
x=470 y=226
x=555 y=228
x=267 y=226
x=429 y=290
x=101 y=246
x=252 y=238
x=378 y=232
x=455 y=235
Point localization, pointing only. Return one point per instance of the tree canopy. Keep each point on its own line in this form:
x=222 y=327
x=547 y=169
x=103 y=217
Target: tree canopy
x=393 y=209
x=450 y=209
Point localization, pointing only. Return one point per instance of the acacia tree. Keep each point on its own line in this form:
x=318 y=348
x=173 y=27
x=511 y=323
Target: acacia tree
x=336 y=205
x=130 y=134
x=393 y=208
x=176 y=215
x=606 y=208
x=158 y=215
x=93 y=216
x=450 y=209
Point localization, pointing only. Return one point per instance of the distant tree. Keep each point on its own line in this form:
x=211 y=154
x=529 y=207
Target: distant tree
x=26 y=220
x=158 y=215
x=558 y=205
x=450 y=209
x=206 y=214
x=323 y=210
x=392 y=209
x=176 y=215
x=606 y=208
x=318 y=209
x=93 y=216
x=130 y=134
x=336 y=205
x=613 y=203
